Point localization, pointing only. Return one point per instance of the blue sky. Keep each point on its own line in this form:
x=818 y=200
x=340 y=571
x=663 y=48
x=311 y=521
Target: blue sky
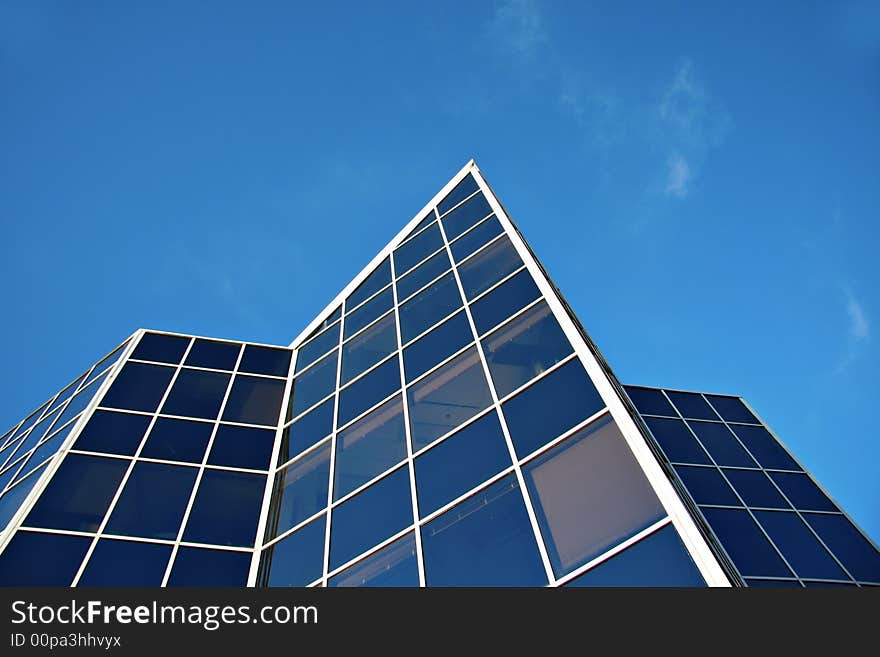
x=701 y=180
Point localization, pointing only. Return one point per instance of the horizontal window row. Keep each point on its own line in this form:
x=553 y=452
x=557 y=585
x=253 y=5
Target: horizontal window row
x=690 y=405
x=213 y=354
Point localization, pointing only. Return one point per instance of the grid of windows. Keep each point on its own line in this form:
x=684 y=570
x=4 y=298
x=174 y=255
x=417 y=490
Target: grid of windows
x=775 y=523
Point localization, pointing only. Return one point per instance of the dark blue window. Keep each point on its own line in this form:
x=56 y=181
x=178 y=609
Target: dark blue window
x=196 y=393
x=707 y=486
x=428 y=307
x=368 y=313
x=79 y=493
x=502 y=302
x=213 y=354
x=33 y=559
x=126 y=563
x=369 y=447
x=677 y=442
x=460 y=463
x=422 y=275
x=756 y=489
x=773 y=583
x=316 y=347
x=178 y=440
x=461 y=191
x=312 y=386
x=242 y=447
x=489 y=266
x=370 y=517
x=368 y=348
x=295 y=560
x=331 y=319
x=731 y=409
x=272 y=361
x=639 y=565
x=368 y=390
x=802 y=492
x=300 y=491
x=721 y=444
x=427 y=219
x=207 y=567
x=160 y=348
x=411 y=253
x=138 y=387
x=465 y=215
x=550 y=407
x=763 y=446
x=861 y=558
x=437 y=345
x=744 y=542
x=474 y=239
x=692 y=405
x=447 y=398
x=12 y=498
x=395 y=565
x=379 y=278
x=254 y=400
x=650 y=402
x=307 y=431
x=226 y=508
x=153 y=501
x=113 y=433
x=799 y=546
x=486 y=540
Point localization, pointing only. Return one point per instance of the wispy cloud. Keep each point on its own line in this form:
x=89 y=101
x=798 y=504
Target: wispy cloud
x=517 y=26
x=858 y=321
x=858 y=330
x=678 y=176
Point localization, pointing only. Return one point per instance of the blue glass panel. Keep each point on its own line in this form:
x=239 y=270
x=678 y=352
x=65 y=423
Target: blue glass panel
x=773 y=583
x=226 y=509
x=437 y=345
x=422 y=275
x=207 y=567
x=799 y=546
x=12 y=498
x=461 y=191
x=486 y=540
x=657 y=560
x=46 y=449
x=802 y=492
x=732 y=409
x=271 y=361
x=300 y=491
x=307 y=431
x=113 y=433
x=649 y=401
x=756 y=489
x=369 y=447
x=316 y=347
x=77 y=404
x=828 y=585
x=677 y=442
x=395 y=565
x=460 y=463
x=254 y=400
x=138 y=387
x=721 y=444
x=161 y=348
x=368 y=348
x=502 y=302
x=427 y=219
x=107 y=361
x=763 y=446
x=474 y=239
x=550 y=407
x=744 y=542
x=34 y=437
x=861 y=558
x=313 y=385
x=489 y=266
x=428 y=307
x=368 y=313
x=196 y=393
x=465 y=215
x=153 y=501
x=707 y=486
x=295 y=560
x=331 y=319
x=368 y=390
x=79 y=493
x=33 y=559
x=242 y=447
x=447 y=398
x=379 y=278
x=126 y=563
x=178 y=440
x=370 y=517
x=412 y=252
x=213 y=354
x=692 y=405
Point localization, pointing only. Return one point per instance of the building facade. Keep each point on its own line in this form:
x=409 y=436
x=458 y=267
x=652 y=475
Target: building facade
x=445 y=421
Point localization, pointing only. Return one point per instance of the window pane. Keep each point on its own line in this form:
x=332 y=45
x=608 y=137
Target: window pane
x=12 y=498
x=138 y=387
x=331 y=319
x=461 y=191
x=300 y=491
x=589 y=494
x=370 y=517
x=744 y=542
x=153 y=501
x=368 y=390
x=126 y=563
x=254 y=400
x=732 y=409
x=550 y=407
x=855 y=552
x=488 y=267
x=677 y=442
x=802 y=492
x=307 y=431
x=242 y=447
x=77 y=404
x=763 y=445
x=707 y=486
x=721 y=444
x=502 y=302
x=437 y=345
x=756 y=489
x=800 y=547
x=213 y=354
x=161 y=348
x=460 y=463
x=395 y=565
x=368 y=348
x=79 y=493
x=206 y=567
x=773 y=583
x=480 y=235
x=312 y=386
x=691 y=405
x=295 y=560
x=272 y=361
x=422 y=275
x=196 y=393
x=317 y=346
x=33 y=559
x=379 y=278
x=411 y=253
x=369 y=447
x=226 y=508
x=486 y=540
x=447 y=398
x=650 y=402
x=368 y=313
x=657 y=560
x=178 y=440
x=425 y=221
x=465 y=216
x=428 y=307
x=524 y=348
x=114 y=433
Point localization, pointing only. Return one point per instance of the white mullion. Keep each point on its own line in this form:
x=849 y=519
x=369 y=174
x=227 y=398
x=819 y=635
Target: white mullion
x=332 y=470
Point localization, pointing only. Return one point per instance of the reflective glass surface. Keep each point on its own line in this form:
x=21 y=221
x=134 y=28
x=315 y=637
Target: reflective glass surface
x=126 y=563
x=707 y=486
x=317 y=346
x=744 y=542
x=437 y=345
x=113 y=433
x=413 y=251
x=242 y=447
x=756 y=489
x=33 y=559
x=138 y=387
x=422 y=275
x=178 y=440
x=802 y=492
x=677 y=441
x=487 y=267
x=207 y=567
x=226 y=509
x=428 y=307
x=465 y=216
x=213 y=354
x=160 y=348
x=153 y=501
x=368 y=390
x=368 y=348
x=254 y=400
x=196 y=393
x=395 y=565
x=379 y=278
x=731 y=409
x=297 y=559
x=856 y=553
x=306 y=431
x=502 y=302
x=368 y=313
x=300 y=491
x=692 y=405
x=650 y=402
x=721 y=444
x=461 y=191
x=475 y=238
x=265 y=360
x=801 y=549
x=764 y=447
x=313 y=385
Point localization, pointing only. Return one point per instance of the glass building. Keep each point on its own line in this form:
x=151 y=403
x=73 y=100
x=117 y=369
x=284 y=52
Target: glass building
x=445 y=421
